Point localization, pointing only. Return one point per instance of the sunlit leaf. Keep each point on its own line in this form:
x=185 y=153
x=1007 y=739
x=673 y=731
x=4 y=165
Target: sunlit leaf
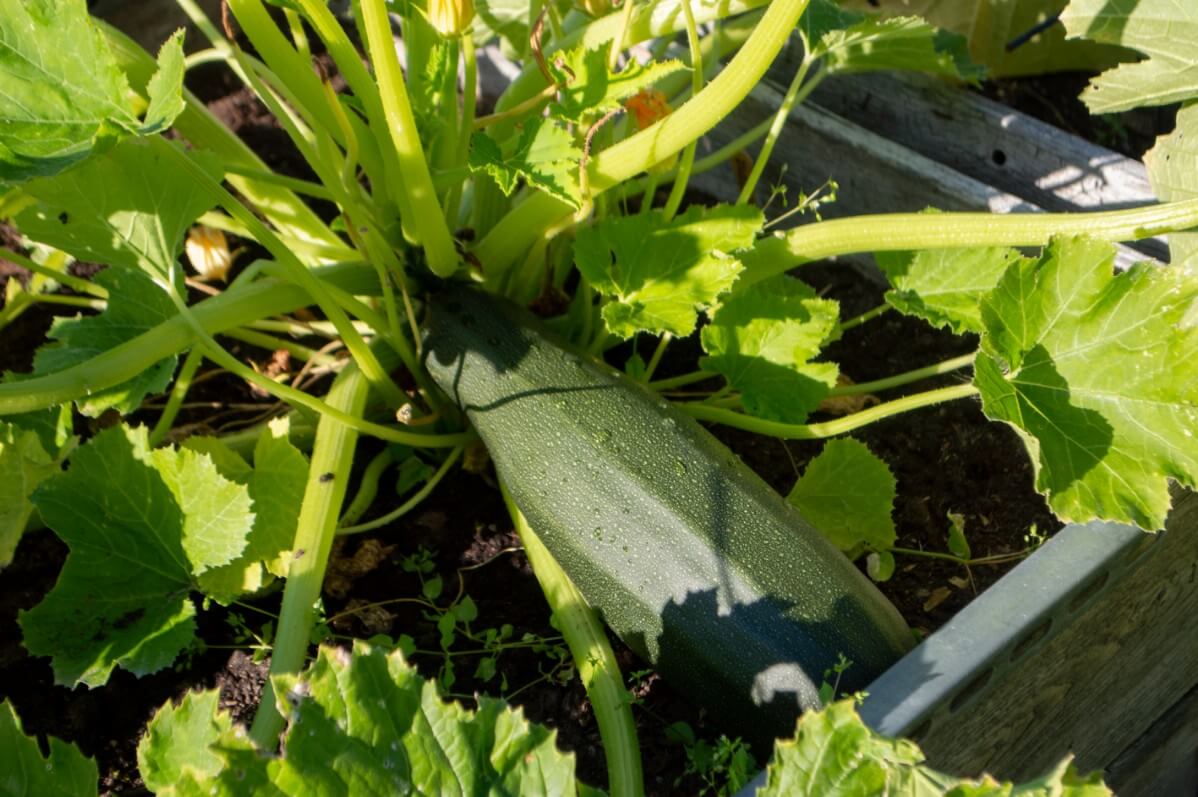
x=848 y=494
x=662 y=274
x=1099 y=375
x=835 y=754
x=763 y=340
x=141 y=524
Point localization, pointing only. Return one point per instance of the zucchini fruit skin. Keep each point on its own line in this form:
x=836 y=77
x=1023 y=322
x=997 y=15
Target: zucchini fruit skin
x=687 y=554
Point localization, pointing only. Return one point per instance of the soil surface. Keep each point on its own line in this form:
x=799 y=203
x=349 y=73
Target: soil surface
x=946 y=459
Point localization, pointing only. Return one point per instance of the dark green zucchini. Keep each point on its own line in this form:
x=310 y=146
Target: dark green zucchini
x=687 y=554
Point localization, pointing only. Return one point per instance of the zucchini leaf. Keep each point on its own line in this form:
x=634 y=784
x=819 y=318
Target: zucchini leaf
x=361 y=723
x=590 y=88
x=177 y=748
x=944 y=286
x=1173 y=171
x=850 y=42
x=66 y=772
x=130 y=207
x=24 y=464
x=763 y=339
x=276 y=484
x=141 y=525
x=135 y=305
x=58 y=104
x=991 y=26
x=1164 y=32
x=545 y=157
x=662 y=274
x=1098 y=373
x=848 y=494
x=835 y=754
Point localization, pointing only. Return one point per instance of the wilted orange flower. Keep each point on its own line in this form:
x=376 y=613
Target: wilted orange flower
x=648 y=105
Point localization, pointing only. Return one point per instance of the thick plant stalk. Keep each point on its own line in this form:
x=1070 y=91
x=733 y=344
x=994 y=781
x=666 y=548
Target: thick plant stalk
x=425 y=210
x=892 y=232
x=593 y=656
x=328 y=479
x=277 y=203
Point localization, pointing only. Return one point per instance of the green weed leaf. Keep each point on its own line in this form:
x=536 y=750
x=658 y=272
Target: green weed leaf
x=958 y=543
x=135 y=305
x=1099 y=375
x=662 y=274
x=590 y=88
x=545 y=157
x=141 y=524
x=848 y=494
x=763 y=340
x=130 y=207
x=65 y=773
x=835 y=753
x=944 y=286
x=24 y=464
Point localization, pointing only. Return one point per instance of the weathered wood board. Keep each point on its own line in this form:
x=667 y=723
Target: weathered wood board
x=1081 y=649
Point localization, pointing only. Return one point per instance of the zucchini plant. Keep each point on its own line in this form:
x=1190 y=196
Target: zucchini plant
x=423 y=226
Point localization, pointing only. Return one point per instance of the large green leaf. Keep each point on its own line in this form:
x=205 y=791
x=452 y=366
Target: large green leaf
x=360 y=723
x=835 y=754
x=130 y=207
x=662 y=273
x=1099 y=375
x=60 y=89
x=763 y=340
x=25 y=772
x=848 y=494
x=24 y=464
x=135 y=305
x=141 y=524
x=62 y=95
x=944 y=286
x=1164 y=31
x=991 y=26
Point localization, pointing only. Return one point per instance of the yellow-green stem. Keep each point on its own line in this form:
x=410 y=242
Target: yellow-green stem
x=328 y=479
x=593 y=656
x=818 y=431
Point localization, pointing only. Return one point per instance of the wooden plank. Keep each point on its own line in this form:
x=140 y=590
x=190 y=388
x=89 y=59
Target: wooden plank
x=987 y=141
x=1164 y=761
x=1108 y=666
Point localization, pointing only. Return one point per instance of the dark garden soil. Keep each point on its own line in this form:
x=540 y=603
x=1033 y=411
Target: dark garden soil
x=946 y=459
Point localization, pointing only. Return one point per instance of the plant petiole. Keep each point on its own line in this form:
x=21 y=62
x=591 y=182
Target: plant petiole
x=907 y=377
x=818 y=431
x=867 y=316
x=411 y=503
